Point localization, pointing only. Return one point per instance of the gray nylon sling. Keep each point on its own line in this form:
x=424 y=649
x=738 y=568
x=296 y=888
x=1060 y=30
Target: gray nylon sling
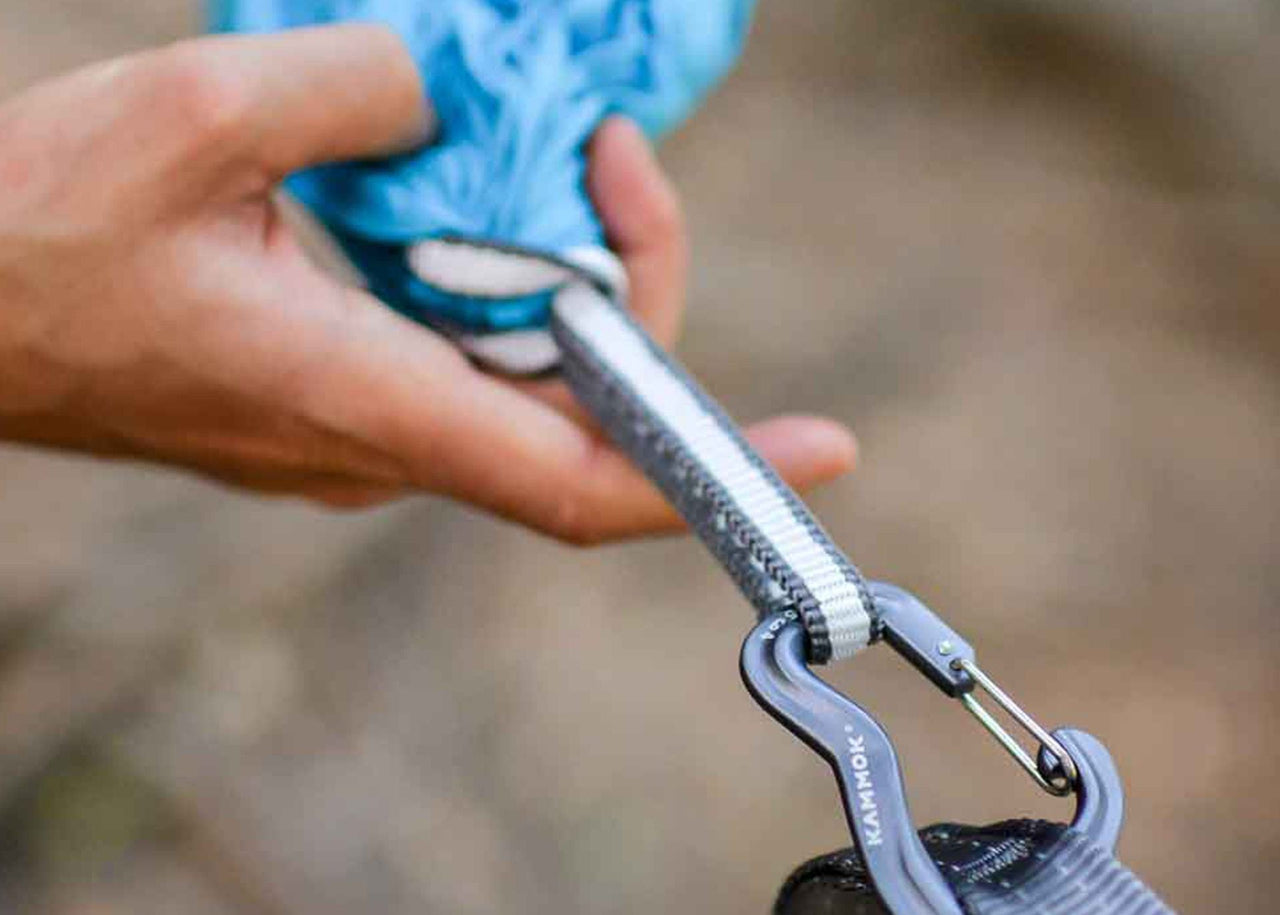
x=749 y=518
x=1018 y=867
x=782 y=558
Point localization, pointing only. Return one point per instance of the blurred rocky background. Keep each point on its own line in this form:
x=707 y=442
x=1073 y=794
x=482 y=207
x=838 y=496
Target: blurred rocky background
x=1031 y=250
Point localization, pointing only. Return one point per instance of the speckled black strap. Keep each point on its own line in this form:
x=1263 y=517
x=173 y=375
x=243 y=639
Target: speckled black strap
x=1017 y=867
x=1070 y=876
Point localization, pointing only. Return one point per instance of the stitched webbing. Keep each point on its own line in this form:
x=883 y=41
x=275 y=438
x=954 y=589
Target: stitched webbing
x=750 y=519
x=1017 y=867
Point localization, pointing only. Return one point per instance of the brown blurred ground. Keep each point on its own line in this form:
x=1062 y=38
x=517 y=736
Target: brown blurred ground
x=1029 y=249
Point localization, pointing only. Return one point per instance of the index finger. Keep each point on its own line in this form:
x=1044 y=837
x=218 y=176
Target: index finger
x=471 y=437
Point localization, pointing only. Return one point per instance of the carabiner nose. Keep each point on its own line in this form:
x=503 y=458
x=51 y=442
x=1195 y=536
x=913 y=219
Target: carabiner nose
x=938 y=651
x=1099 y=791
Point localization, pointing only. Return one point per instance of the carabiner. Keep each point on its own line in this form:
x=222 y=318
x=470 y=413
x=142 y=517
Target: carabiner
x=937 y=651
x=866 y=765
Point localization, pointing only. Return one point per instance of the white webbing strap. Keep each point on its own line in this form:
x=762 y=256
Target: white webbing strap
x=751 y=520
x=757 y=511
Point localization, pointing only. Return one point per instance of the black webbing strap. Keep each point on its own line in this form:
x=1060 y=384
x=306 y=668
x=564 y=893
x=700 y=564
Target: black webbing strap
x=1017 y=867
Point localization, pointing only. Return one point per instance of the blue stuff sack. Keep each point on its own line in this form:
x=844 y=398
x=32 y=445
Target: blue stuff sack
x=444 y=234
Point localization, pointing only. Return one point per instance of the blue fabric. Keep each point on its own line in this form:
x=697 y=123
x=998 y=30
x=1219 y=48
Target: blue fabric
x=518 y=87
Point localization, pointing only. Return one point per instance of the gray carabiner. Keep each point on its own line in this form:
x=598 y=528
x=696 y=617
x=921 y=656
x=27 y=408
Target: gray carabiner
x=870 y=776
x=937 y=651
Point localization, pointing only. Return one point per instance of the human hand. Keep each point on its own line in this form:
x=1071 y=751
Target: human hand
x=155 y=306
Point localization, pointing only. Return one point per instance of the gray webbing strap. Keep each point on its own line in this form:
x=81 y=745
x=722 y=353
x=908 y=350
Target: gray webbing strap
x=750 y=519
x=1074 y=876
x=1018 y=867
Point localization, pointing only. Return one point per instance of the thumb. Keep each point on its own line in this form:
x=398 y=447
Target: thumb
x=310 y=96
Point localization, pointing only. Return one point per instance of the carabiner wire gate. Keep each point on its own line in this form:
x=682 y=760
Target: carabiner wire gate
x=937 y=651
x=1059 y=773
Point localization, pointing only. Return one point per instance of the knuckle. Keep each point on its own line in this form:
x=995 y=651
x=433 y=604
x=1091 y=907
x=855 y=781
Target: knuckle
x=572 y=523
x=381 y=39
x=203 y=97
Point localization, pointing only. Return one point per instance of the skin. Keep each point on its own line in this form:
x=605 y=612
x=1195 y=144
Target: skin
x=154 y=305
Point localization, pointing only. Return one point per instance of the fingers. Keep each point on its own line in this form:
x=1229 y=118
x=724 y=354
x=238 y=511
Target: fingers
x=584 y=492
x=298 y=98
x=331 y=490
x=464 y=434
x=335 y=93
x=373 y=377
x=805 y=450
x=641 y=214
x=518 y=458
x=556 y=394
x=642 y=219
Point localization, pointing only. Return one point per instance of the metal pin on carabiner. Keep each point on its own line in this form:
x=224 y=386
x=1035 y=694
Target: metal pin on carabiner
x=1059 y=775
x=937 y=651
